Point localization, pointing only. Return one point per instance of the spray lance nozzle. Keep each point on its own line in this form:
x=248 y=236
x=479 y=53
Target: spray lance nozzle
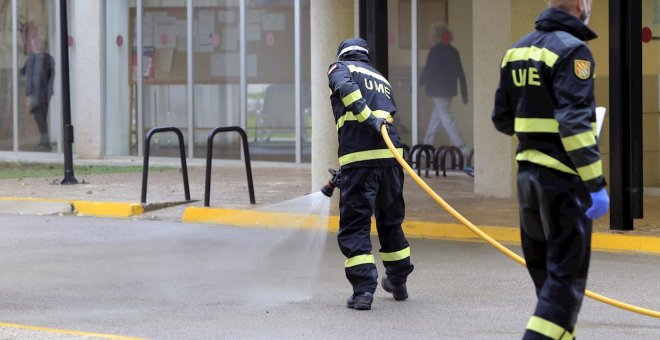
x=333 y=183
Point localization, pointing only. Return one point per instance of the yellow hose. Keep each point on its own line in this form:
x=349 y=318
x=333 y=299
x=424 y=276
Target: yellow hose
x=492 y=241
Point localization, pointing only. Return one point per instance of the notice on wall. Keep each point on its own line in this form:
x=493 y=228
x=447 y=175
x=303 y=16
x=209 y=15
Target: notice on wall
x=274 y=21
x=165 y=32
x=230 y=39
x=225 y=64
x=253 y=32
x=165 y=60
x=205 y=31
x=226 y=17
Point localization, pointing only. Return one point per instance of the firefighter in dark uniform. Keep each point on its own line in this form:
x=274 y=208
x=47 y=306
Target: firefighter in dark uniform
x=371 y=178
x=546 y=97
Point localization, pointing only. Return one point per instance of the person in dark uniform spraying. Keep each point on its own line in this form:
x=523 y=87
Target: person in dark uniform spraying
x=371 y=179
x=546 y=97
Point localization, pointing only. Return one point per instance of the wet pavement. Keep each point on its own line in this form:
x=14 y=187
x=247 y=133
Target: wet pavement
x=64 y=275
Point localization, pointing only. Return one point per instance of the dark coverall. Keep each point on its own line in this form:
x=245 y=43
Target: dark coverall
x=371 y=178
x=546 y=97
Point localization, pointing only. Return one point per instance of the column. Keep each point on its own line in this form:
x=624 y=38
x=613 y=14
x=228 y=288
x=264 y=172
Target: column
x=86 y=100
x=332 y=22
x=494 y=152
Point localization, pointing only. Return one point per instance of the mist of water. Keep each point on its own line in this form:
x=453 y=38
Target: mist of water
x=291 y=255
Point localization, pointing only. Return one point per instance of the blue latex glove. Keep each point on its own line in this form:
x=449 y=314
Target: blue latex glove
x=600 y=202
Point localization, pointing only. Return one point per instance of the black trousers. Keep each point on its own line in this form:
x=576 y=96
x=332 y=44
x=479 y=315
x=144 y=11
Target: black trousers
x=556 y=242
x=365 y=192
x=39 y=108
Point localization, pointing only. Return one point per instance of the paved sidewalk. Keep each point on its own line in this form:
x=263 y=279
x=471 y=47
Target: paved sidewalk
x=273 y=183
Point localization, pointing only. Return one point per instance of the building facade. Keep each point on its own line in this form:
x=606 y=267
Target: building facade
x=261 y=65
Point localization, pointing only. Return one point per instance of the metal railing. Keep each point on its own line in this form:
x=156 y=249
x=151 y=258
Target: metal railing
x=209 y=156
x=182 y=153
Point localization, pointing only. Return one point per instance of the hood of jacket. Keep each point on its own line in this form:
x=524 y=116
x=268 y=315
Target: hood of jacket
x=553 y=19
x=353 y=49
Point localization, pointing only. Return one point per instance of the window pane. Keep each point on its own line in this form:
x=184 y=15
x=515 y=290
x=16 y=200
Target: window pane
x=217 y=77
x=270 y=71
x=38 y=65
x=120 y=122
x=6 y=86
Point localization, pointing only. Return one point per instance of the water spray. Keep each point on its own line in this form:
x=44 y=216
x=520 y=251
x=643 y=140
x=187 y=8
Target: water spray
x=493 y=242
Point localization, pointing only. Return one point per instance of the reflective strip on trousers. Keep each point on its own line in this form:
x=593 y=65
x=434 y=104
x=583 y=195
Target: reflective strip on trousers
x=358 y=260
x=396 y=256
x=549 y=329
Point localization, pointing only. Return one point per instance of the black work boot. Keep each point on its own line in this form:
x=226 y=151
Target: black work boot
x=360 y=301
x=400 y=293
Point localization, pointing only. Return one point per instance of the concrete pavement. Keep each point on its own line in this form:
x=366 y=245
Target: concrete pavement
x=118 y=195
x=66 y=276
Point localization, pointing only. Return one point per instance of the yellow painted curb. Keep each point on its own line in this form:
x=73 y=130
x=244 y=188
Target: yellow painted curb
x=413 y=229
x=108 y=209
x=66 y=331
x=91 y=208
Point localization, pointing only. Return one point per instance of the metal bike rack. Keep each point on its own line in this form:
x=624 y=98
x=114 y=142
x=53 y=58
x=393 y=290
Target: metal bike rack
x=209 y=156
x=182 y=153
x=440 y=158
x=416 y=153
x=406 y=153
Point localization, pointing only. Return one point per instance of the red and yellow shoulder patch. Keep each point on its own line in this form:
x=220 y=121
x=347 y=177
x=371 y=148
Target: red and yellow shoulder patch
x=332 y=68
x=582 y=69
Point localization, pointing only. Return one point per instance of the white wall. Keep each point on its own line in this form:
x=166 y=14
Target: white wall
x=87 y=78
x=117 y=115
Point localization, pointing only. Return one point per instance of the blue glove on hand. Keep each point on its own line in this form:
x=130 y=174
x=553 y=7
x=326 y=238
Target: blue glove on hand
x=600 y=202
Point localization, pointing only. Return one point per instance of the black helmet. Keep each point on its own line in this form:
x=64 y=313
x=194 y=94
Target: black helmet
x=347 y=46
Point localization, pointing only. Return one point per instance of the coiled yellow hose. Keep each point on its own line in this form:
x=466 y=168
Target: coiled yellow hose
x=492 y=241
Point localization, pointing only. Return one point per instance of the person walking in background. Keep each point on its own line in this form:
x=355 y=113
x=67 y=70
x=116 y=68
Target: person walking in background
x=441 y=74
x=546 y=98
x=371 y=178
x=39 y=70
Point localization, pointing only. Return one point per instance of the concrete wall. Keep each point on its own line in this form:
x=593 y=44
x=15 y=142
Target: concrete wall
x=87 y=78
x=332 y=22
x=494 y=152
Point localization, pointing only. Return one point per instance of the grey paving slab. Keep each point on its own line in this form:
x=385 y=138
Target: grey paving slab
x=21 y=207
x=169 y=280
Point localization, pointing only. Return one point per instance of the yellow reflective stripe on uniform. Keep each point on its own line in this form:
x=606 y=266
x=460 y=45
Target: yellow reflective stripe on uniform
x=396 y=256
x=568 y=336
x=536 y=125
x=540 y=158
x=549 y=329
x=367 y=155
x=594 y=128
x=591 y=171
x=363 y=70
x=362 y=116
x=349 y=116
x=579 y=141
x=351 y=97
x=530 y=53
x=360 y=259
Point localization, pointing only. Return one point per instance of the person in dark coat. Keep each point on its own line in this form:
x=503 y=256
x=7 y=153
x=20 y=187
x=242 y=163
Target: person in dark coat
x=39 y=70
x=441 y=74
